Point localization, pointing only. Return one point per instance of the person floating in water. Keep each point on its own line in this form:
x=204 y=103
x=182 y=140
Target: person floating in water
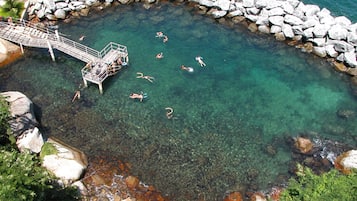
x=199 y=59
x=188 y=69
x=81 y=38
x=146 y=77
x=169 y=112
x=165 y=39
x=159 y=34
x=77 y=95
x=140 y=96
x=160 y=55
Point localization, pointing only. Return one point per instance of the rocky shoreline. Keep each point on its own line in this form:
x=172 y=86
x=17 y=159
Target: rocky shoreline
x=305 y=26
x=308 y=27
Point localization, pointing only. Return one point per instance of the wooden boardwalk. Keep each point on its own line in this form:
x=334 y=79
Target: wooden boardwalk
x=100 y=64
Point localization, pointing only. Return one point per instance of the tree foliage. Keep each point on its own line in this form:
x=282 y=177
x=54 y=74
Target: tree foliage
x=4 y=118
x=12 y=8
x=332 y=186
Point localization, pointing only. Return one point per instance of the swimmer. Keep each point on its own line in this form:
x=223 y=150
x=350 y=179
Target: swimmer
x=165 y=39
x=169 y=112
x=160 y=55
x=82 y=37
x=199 y=59
x=159 y=34
x=141 y=96
x=188 y=69
x=77 y=95
x=146 y=77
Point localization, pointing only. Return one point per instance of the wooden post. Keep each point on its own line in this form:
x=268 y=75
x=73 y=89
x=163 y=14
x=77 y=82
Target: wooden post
x=22 y=48
x=57 y=35
x=100 y=88
x=51 y=51
x=85 y=82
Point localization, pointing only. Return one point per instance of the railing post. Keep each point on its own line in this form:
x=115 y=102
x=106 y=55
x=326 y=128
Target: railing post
x=57 y=35
x=51 y=51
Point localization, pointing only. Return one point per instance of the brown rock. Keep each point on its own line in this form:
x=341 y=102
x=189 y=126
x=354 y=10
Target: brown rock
x=352 y=71
x=253 y=27
x=132 y=182
x=339 y=66
x=258 y=197
x=235 y=196
x=303 y=145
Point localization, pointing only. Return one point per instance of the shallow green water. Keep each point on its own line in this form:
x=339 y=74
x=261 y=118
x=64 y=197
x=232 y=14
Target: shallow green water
x=253 y=93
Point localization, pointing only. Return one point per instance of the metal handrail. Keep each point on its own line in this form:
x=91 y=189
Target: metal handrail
x=57 y=39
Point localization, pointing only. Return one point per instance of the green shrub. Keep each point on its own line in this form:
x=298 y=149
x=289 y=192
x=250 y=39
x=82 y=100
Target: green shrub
x=12 y=8
x=47 y=149
x=332 y=186
x=4 y=118
x=23 y=178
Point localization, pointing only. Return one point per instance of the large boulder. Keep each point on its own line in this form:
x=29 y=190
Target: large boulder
x=21 y=111
x=347 y=161
x=67 y=164
x=31 y=140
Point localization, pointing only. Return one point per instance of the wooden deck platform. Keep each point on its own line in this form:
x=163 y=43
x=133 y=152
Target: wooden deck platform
x=100 y=64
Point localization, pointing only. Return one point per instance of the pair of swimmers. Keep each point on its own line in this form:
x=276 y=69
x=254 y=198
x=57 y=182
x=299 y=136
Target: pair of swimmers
x=160 y=34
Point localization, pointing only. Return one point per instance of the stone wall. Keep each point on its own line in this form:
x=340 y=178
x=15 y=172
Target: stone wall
x=316 y=30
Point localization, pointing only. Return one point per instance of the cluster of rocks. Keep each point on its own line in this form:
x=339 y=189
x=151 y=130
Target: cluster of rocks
x=328 y=36
x=59 y=9
x=320 y=32
x=67 y=164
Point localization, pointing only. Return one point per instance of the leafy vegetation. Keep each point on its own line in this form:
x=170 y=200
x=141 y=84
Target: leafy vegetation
x=4 y=118
x=21 y=175
x=12 y=8
x=47 y=149
x=332 y=186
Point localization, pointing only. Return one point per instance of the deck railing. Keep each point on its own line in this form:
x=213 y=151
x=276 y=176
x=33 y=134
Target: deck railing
x=57 y=39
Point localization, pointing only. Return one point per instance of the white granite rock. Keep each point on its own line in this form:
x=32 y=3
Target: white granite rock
x=343 y=21
x=264 y=29
x=352 y=38
x=350 y=58
x=341 y=46
x=330 y=50
x=310 y=23
x=319 y=51
x=337 y=32
x=287 y=30
x=60 y=14
x=61 y=5
x=222 y=4
x=68 y=164
x=31 y=140
x=311 y=10
x=292 y=20
x=320 y=30
x=275 y=29
x=277 y=20
x=278 y=11
x=348 y=160
x=261 y=3
x=248 y=3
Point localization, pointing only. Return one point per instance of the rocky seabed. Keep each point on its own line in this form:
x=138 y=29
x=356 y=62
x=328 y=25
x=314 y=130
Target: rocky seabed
x=321 y=33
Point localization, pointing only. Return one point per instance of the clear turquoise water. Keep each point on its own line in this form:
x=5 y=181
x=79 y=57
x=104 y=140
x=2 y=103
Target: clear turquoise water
x=253 y=94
